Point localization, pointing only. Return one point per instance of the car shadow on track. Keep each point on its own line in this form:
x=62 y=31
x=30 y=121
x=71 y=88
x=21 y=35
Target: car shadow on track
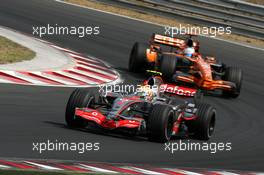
x=118 y=135
x=98 y=131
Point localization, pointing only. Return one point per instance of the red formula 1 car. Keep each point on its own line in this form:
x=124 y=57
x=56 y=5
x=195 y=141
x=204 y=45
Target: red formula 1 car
x=166 y=54
x=158 y=117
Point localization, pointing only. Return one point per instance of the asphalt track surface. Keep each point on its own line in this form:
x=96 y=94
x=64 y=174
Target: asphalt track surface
x=30 y=114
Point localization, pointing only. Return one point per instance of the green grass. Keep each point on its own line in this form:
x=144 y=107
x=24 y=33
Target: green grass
x=30 y=172
x=11 y=52
x=260 y=2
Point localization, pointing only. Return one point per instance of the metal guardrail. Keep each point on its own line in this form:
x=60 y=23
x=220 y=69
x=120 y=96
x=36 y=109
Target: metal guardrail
x=234 y=5
x=200 y=14
x=212 y=13
x=224 y=13
x=248 y=7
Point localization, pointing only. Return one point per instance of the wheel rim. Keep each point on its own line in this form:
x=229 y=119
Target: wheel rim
x=211 y=127
x=168 y=129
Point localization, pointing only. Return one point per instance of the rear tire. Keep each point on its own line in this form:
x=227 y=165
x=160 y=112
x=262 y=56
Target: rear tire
x=235 y=75
x=203 y=126
x=160 y=123
x=138 y=58
x=79 y=98
x=168 y=66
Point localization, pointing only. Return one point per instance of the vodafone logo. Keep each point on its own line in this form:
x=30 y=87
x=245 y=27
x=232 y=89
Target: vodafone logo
x=179 y=90
x=94 y=113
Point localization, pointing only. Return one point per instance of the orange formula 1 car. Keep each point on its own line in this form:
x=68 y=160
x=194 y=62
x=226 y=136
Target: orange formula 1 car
x=167 y=55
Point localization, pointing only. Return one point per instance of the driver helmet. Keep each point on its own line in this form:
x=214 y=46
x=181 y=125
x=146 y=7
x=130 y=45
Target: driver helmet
x=154 y=83
x=189 y=42
x=150 y=88
x=146 y=92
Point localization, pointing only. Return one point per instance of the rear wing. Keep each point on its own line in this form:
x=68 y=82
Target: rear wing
x=173 y=89
x=170 y=41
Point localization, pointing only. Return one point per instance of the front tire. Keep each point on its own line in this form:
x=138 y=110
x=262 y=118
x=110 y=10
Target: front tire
x=203 y=127
x=168 y=66
x=79 y=98
x=235 y=75
x=138 y=58
x=160 y=123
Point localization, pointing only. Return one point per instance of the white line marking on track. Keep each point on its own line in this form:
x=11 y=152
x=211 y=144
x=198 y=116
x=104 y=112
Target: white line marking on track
x=4 y=167
x=144 y=171
x=20 y=76
x=47 y=76
x=63 y=49
x=90 y=74
x=5 y=81
x=97 y=71
x=76 y=77
x=30 y=79
x=44 y=41
x=46 y=167
x=94 y=65
x=183 y=171
x=96 y=169
x=224 y=173
x=84 y=58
